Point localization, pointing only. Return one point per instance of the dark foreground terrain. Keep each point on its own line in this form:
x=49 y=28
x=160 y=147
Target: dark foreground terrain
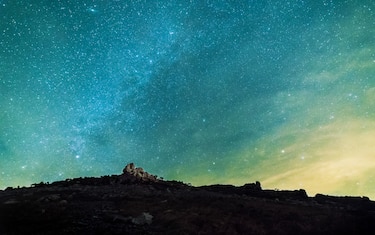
x=136 y=202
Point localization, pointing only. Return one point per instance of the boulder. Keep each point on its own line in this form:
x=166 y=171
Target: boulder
x=138 y=172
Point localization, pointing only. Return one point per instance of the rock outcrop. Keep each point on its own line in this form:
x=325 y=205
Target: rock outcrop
x=139 y=173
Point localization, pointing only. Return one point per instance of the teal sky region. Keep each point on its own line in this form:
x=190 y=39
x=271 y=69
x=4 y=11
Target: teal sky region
x=204 y=92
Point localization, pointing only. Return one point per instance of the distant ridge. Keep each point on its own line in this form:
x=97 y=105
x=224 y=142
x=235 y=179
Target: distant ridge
x=137 y=202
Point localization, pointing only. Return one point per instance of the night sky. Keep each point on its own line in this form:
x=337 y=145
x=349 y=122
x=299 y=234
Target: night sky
x=205 y=92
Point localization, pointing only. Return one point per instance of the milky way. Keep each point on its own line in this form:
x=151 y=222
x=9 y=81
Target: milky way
x=200 y=91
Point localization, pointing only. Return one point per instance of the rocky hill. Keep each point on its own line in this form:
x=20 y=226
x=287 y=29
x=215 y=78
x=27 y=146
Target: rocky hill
x=137 y=202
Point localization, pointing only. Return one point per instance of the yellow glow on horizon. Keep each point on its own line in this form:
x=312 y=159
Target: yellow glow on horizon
x=339 y=160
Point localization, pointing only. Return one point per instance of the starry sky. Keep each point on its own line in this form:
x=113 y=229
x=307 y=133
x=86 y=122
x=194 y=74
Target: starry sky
x=205 y=92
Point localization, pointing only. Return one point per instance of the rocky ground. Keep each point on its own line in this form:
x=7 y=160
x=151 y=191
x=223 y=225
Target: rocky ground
x=136 y=202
